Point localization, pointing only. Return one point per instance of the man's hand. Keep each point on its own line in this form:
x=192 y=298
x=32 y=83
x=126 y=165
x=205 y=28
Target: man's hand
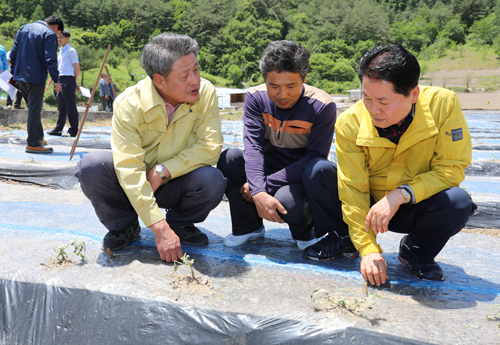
x=107 y=97
x=57 y=87
x=167 y=242
x=154 y=178
x=78 y=87
x=374 y=268
x=267 y=206
x=382 y=212
x=245 y=192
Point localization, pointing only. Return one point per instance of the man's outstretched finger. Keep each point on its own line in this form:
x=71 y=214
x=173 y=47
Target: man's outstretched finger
x=376 y=275
x=383 y=272
x=369 y=274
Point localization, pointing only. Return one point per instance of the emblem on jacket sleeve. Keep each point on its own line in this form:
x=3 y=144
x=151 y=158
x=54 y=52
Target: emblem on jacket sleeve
x=457 y=134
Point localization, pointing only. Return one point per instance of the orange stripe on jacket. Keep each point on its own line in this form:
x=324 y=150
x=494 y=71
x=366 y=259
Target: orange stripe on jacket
x=292 y=126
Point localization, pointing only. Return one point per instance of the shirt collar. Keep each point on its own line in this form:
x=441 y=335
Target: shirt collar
x=67 y=46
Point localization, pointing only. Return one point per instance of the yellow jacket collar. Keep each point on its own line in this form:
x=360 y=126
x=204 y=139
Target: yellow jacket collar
x=150 y=97
x=422 y=127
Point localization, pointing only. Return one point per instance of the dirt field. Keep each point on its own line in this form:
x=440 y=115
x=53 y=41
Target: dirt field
x=476 y=80
x=480 y=100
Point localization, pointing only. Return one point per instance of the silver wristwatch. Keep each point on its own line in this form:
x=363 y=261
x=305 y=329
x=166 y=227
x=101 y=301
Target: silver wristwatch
x=406 y=194
x=159 y=170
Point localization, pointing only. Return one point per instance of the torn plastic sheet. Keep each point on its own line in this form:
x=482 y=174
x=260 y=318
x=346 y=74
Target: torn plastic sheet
x=46 y=314
x=486 y=147
x=487 y=215
x=95 y=143
x=483 y=168
x=45 y=176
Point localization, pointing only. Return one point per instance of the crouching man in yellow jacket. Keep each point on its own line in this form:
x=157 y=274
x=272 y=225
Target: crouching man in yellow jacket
x=401 y=155
x=166 y=135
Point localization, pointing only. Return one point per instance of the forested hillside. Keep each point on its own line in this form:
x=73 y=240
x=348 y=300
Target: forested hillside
x=233 y=33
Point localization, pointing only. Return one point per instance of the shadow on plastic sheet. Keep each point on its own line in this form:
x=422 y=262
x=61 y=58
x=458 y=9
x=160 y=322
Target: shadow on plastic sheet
x=46 y=314
x=278 y=252
x=459 y=290
x=206 y=261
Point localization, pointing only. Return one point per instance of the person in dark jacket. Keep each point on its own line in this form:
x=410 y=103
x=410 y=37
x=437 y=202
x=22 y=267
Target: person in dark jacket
x=33 y=54
x=287 y=126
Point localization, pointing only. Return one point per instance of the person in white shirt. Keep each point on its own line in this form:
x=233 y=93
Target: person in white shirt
x=69 y=71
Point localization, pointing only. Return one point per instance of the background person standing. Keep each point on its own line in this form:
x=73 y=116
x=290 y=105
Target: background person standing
x=69 y=71
x=111 y=98
x=33 y=54
x=105 y=92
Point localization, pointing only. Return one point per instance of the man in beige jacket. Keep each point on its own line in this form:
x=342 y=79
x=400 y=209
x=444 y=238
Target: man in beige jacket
x=166 y=135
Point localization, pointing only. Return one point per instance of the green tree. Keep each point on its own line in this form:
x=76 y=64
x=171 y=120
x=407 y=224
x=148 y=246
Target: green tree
x=246 y=36
x=109 y=34
x=10 y=29
x=472 y=10
x=454 y=30
x=6 y=13
x=487 y=28
x=235 y=74
x=88 y=60
x=38 y=14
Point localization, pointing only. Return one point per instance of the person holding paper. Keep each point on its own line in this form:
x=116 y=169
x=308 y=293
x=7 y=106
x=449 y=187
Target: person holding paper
x=33 y=54
x=17 y=101
x=69 y=71
x=85 y=91
x=3 y=64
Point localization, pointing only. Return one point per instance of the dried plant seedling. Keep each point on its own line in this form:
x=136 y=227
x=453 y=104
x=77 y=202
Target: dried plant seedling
x=342 y=302
x=495 y=316
x=61 y=254
x=184 y=261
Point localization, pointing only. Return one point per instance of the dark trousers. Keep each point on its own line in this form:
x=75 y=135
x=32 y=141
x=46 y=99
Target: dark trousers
x=430 y=223
x=104 y=103
x=244 y=216
x=33 y=93
x=110 y=104
x=17 y=102
x=188 y=199
x=66 y=103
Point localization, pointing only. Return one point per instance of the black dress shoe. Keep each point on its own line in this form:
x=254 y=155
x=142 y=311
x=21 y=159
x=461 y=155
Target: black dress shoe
x=52 y=132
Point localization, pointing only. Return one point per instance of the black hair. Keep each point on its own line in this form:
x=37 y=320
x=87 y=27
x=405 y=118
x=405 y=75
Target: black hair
x=285 y=56
x=392 y=63
x=66 y=33
x=55 y=20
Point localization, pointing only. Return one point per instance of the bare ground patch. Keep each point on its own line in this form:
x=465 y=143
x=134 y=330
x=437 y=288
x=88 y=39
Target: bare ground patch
x=490 y=232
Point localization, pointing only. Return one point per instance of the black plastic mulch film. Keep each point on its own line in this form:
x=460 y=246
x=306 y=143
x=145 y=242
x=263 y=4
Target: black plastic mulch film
x=46 y=314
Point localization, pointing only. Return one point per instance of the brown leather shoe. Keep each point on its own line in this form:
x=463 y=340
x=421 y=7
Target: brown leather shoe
x=43 y=142
x=18 y=107
x=38 y=149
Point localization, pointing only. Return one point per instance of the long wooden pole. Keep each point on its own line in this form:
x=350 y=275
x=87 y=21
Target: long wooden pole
x=89 y=103
x=110 y=80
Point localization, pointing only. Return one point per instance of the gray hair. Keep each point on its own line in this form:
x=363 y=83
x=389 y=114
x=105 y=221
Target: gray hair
x=284 y=56
x=159 y=55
